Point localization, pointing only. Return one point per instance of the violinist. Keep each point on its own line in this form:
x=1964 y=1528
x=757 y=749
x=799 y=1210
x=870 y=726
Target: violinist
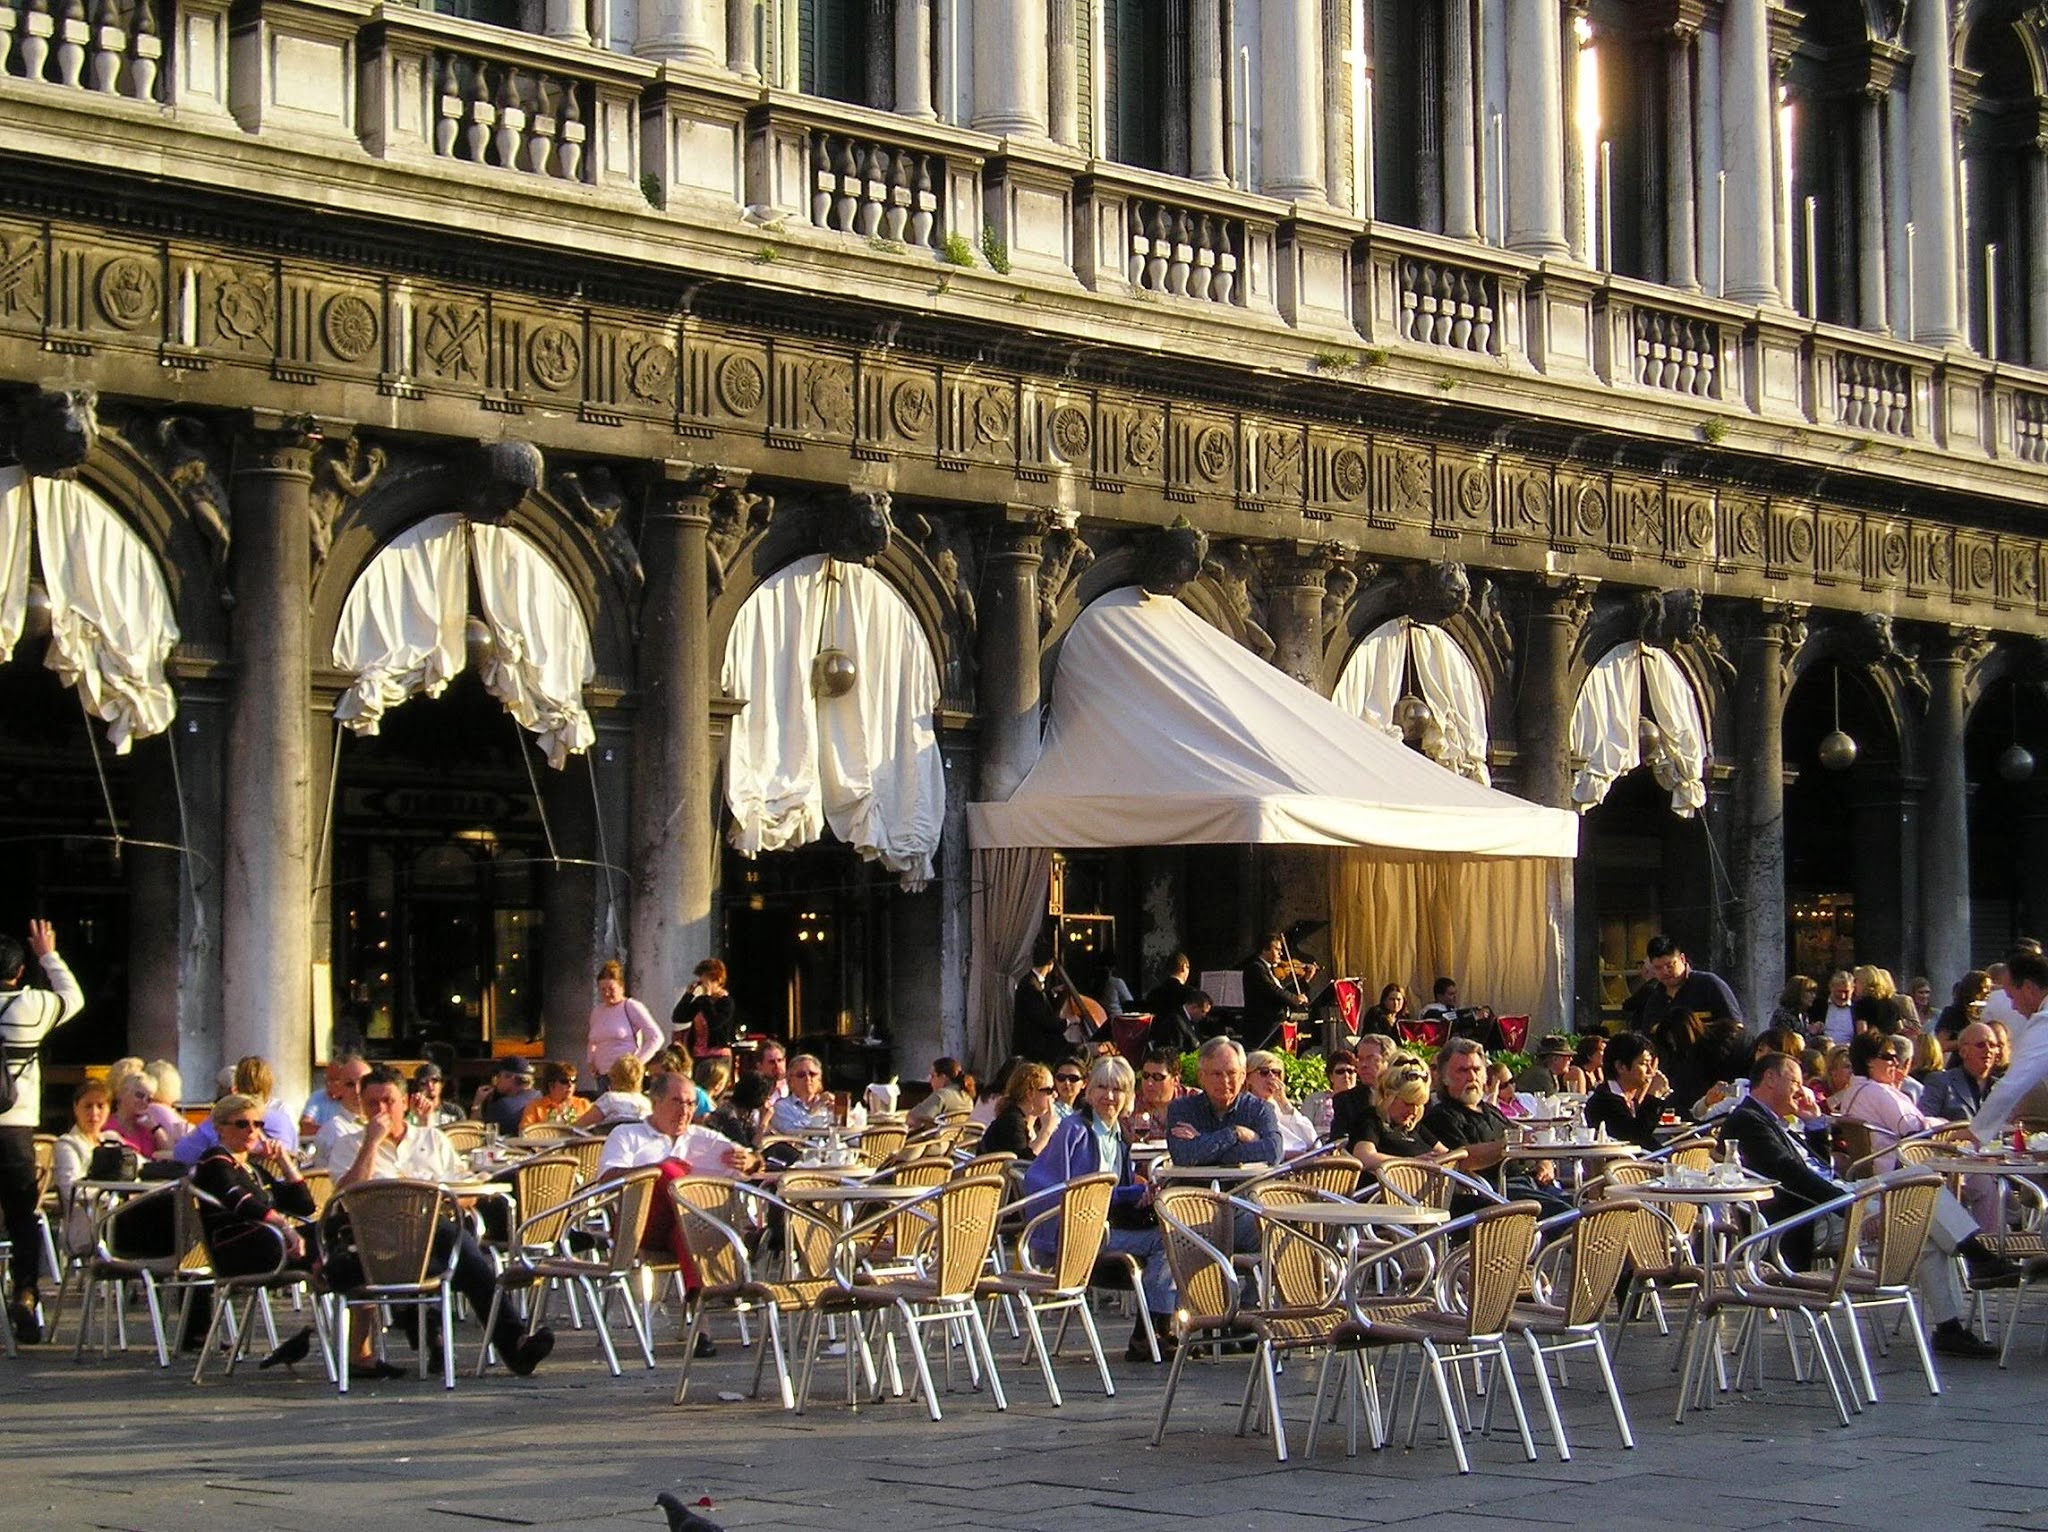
x=1275 y=987
x=1039 y=1029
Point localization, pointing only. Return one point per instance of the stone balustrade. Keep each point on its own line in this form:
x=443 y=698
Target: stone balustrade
x=2030 y=425
x=1138 y=232
x=1870 y=392
x=112 y=47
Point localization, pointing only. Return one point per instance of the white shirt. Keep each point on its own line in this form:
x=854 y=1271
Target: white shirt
x=1839 y=1024
x=332 y=1131
x=2029 y=1068
x=641 y=1143
x=1297 y=1133
x=27 y=1016
x=424 y=1154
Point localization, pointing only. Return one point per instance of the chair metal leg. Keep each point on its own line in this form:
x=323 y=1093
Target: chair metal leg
x=206 y=1346
x=343 y=1358
x=447 y=1337
x=1180 y=1360
x=1514 y=1392
x=597 y=1320
x=1094 y=1343
x=1606 y=1365
x=1435 y=1363
x=1270 y=1381
x=1914 y=1328
x=1564 y=1450
x=156 y=1319
x=1037 y=1343
x=917 y=1350
x=1855 y=1326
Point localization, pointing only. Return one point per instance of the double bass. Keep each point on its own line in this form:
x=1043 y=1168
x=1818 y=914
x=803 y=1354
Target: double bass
x=1081 y=1016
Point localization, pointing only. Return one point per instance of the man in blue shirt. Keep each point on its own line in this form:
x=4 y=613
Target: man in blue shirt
x=1224 y=1124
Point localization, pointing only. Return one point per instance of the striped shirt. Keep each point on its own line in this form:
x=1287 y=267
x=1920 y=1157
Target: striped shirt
x=27 y=1016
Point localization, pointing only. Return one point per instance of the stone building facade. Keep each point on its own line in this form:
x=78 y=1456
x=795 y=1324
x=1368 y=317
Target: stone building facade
x=1557 y=326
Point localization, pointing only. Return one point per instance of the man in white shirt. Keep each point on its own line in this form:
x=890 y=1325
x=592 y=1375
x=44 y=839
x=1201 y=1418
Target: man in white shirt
x=27 y=1016
x=677 y=1147
x=1837 y=1020
x=341 y=1096
x=387 y=1147
x=2026 y=991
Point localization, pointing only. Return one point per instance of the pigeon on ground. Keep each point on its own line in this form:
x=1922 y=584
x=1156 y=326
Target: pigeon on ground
x=681 y=1518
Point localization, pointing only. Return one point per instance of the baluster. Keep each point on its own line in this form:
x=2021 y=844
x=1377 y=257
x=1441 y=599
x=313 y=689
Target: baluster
x=896 y=217
x=9 y=23
x=448 y=111
x=822 y=181
x=1161 y=230
x=846 y=205
x=476 y=137
x=1203 y=273
x=1444 y=294
x=571 y=136
x=540 y=131
x=874 y=191
x=1223 y=286
x=510 y=136
x=72 y=35
x=1411 y=303
x=109 y=47
x=1667 y=352
x=1707 y=363
x=1482 y=317
x=1141 y=247
x=1182 y=260
x=924 y=204
x=148 y=52
x=1466 y=311
x=1689 y=360
x=35 y=38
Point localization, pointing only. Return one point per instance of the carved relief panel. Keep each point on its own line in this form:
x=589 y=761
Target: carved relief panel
x=23 y=274
x=1464 y=493
x=1404 y=485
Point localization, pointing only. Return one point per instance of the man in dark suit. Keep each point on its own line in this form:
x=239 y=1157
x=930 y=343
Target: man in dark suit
x=1769 y=1148
x=1039 y=1032
x=1171 y=992
x=1271 y=990
x=1186 y=1026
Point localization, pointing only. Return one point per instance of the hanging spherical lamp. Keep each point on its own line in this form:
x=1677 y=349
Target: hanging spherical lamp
x=2016 y=762
x=35 y=622
x=1837 y=749
x=833 y=673
x=1410 y=714
x=480 y=643
x=1649 y=737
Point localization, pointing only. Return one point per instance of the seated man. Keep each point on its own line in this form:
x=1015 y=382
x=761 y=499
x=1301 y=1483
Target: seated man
x=1462 y=1118
x=808 y=1104
x=1758 y=1128
x=500 y=1104
x=1185 y=1025
x=1158 y=1088
x=1443 y=1001
x=1223 y=1124
x=1551 y=1073
x=1635 y=1096
x=1957 y=1093
x=338 y=1097
x=387 y=1147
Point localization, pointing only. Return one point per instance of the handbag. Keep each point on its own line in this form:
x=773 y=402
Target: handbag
x=1132 y=1216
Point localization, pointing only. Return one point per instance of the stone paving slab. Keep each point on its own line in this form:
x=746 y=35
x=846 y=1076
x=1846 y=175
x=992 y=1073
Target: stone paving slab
x=119 y=1445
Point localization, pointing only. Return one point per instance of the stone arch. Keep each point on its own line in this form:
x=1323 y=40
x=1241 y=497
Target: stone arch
x=1890 y=694
x=2022 y=660
x=123 y=475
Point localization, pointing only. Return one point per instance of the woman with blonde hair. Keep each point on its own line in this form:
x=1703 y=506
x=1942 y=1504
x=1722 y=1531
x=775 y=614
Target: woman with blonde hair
x=623 y=1100
x=163 y=1103
x=1025 y=1124
x=1874 y=1001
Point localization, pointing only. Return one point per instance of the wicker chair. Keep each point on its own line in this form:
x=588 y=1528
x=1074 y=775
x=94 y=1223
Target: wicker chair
x=879 y=1142
x=115 y=1261
x=1062 y=1288
x=1881 y=1266
x=729 y=1271
x=549 y=1133
x=1213 y=1311
x=465 y=1136
x=1569 y=1305
x=1460 y=1316
x=280 y=1276
x=544 y=1182
x=963 y=1214
x=539 y=1261
x=391 y=1226
x=1327 y=1171
x=1660 y=1254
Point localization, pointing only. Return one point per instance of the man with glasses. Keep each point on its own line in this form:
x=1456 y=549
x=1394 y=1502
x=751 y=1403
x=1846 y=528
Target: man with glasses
x=338 y=1098
x=1158 y=1088
x=1958 y=1093
x=1221 y=1124
x=807 y=1106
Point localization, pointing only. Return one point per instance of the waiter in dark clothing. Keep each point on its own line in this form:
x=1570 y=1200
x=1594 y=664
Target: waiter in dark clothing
x=1675 y=985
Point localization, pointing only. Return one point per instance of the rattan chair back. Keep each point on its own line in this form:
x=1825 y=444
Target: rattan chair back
x=465 y=1136
x=1202 y=1272
x=392 y=1226
x=1338 y=1173
x=877 y=1144
x=548 y=1132
x=1084 y=1223
x=541 y=1184
x=1650 y=1242
x=1905 y=1218
x=1496 y=1264
x=1416 y=1180
x=964 y=1229
x=1601 y=1242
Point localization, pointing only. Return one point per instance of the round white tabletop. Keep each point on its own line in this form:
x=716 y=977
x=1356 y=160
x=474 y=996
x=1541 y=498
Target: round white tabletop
x=1214 y=1174
x=1984 y=1165
x=1362 y=1215
x=1749 y=1189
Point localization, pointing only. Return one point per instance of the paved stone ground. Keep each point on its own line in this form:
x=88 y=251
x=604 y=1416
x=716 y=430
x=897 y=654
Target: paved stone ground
x=119 y=1445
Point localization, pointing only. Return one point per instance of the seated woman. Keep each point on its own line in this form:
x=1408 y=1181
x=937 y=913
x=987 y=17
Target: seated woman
x=1587 y=1057
x=1500 y=1082
x=163 y=1113
x=1265 y=1076
x=1025 y=1124
x=251 y=1196
x=557 y=1101
x=1635 y=1096
x=134 y=1095
x=1392 y=1129
x=1385 y=1018
x=949 y=1097
x=624 y=1101
x=91 y=1106
x=1086 y=1142
x=743 y=1117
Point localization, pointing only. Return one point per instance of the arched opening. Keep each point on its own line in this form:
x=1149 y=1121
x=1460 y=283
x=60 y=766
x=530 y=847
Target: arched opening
x=835 y=796
x=2008 y=818
x=1847 y=848
x=1413 y=679
x=2006 y=191
x=458 y=823
x=85 y=769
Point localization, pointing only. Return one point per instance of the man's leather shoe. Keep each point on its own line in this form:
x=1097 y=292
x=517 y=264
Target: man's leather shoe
x=27 y=1320
x=531 y=1351
x=1953 y=1340
x=1988 y=1270
x=704 y=1346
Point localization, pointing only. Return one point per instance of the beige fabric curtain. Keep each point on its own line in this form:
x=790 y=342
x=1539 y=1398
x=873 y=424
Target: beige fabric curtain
x=1006 y=911
x=1408 y=920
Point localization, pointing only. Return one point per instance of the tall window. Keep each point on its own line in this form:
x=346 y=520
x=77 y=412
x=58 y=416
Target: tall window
x=1407 y=78
x=837 y=46
x=1145 y=83
x=2006 y=181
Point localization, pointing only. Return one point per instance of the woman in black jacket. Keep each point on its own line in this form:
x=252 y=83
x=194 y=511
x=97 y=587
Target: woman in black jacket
x=252 y=1197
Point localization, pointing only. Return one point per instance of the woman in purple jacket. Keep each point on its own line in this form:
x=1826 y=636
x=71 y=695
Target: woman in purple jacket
x=1090 y=1141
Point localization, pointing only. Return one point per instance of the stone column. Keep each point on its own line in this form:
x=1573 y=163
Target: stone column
x=1759 y=850
x=743 y=39
x=1681 y=249
x=1338 y=107
x=1294 y=605
x=674 y=839
x=1010 y=67
x=267 y=894
x=1291 y=99
x=1747 y=132
x=1535 y=129
x=1930 y=113
x=1460 y=113
x=688 y=31
x=2037 y=255
x=1206 y=159
x=562 y=21
x=1543 y=708
x=1062 y=74
x=1945 y=839
x=1008 y=654
x=570 y=900
x=1173 y=140
x=1870 y=231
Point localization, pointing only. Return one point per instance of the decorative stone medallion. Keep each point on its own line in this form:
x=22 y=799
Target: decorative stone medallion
x=1069 y=431
x=651 y=371
x=349 y=326
x=554 y=357
x=128 y=292
x=741 y=385
x=911 y=408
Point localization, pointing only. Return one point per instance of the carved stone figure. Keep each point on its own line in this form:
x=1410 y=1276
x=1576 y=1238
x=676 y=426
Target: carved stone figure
x=594 y=495
x=943 y=542
x=341 y=476
x=1492 y=621
x=1233 y=567
x=735 y=516
x=187 y=448
x=1173 y=558
x=1438 y=592
x=1065 y=557
x=57 y=430
x=506 y=473
x=856 y=527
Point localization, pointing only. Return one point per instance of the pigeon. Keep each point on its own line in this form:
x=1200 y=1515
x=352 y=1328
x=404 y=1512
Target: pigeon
x=290 y=1351
x=681 y=1518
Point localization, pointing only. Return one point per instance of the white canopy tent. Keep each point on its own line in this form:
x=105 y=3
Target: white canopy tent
x=1162 y=731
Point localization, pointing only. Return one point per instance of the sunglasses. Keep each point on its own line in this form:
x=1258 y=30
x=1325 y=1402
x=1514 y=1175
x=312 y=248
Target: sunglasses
x=1041 y=1090
x=1264 y=1070
x=1155 y=1078
x=1068 y=1079
x=243 y=1122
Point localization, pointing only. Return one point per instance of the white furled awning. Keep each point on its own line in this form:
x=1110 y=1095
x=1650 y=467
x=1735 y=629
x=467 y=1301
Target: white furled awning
x=111 y=628
x=1607 y=727
x=401 y=631
x=1162 y=731
x=866 y=764
x=1376 y=677
x=401 y=627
